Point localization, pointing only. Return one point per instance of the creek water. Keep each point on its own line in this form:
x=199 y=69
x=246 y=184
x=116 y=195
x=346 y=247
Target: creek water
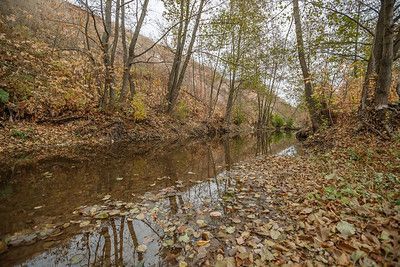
x=46 y=196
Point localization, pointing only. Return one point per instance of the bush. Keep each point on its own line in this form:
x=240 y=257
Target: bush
x=277 y=121
x=181 y=111
x=289 y=123
x=239 y=116
x=19 y=134
x=139 y=108
x=4 y=96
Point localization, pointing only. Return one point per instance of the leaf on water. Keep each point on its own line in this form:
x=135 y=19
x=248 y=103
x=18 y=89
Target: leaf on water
x=184 y=238
x=168 y=243
x=230 y=229
x=84 y=223
x=215 y=214
x=102 y=215
x=201 y=223
x=140 y=216
x=76 y=259
x=114 y=212
x=345 y=228
x=134 y=211
x=141 y=248
x=202 y=243
x=106 y=197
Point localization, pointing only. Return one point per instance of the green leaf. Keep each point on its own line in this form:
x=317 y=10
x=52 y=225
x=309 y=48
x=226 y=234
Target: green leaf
x=4 y=96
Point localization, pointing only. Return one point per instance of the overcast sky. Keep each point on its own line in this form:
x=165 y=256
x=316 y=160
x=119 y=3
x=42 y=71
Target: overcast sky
x=154 y=18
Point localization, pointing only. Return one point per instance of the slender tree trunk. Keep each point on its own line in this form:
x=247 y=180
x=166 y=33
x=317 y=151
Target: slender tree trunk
x=130 y=54
x=233 y=87
x=179 y=68
x=308 y=88
x=105 y=43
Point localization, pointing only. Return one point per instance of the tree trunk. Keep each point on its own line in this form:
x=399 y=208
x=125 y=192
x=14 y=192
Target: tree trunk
x=308 y=88
x=129 y=55
x=385 y=63
x=108 y=92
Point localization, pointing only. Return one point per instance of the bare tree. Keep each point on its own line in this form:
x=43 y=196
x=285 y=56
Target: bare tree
x=182 y=53
x=308 y=87
x=129 y=53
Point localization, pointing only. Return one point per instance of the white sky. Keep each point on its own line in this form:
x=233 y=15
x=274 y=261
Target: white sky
x=154 y=18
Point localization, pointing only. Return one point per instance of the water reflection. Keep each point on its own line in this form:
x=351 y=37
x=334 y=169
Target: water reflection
x=114 y=244
x=117 y=240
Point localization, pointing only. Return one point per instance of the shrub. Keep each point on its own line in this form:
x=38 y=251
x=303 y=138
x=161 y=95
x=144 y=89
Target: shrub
x=138 y=107
x=4 y=96
x=289 y=123
x=19 y=134
x=239 y=116
x=181 y=111
x=277 y=121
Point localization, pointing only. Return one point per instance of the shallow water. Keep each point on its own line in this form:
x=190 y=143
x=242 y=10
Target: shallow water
x=46 y=195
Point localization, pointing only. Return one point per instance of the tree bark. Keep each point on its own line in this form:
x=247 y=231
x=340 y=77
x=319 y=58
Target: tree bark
x=385 y=63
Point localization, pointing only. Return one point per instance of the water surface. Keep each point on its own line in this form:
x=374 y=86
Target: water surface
x=47 y=194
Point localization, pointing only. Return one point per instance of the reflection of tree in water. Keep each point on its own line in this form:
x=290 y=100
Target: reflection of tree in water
x=266 y=140
x=263 y=143
x=111 y=252
x=227 y=153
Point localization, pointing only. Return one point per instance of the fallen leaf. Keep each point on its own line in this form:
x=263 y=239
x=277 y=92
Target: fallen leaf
x=202 y=243
x=345 y=228
x=106 y=197
x=230 y=229
x=141 y=248
x=215 y=214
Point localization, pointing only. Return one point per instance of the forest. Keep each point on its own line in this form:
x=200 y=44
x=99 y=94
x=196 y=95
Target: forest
x=199 y=132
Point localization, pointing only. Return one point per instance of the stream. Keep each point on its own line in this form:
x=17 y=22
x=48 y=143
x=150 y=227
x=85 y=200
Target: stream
x=39 y=205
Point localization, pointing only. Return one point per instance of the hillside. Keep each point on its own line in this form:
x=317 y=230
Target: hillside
x=54 y=26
